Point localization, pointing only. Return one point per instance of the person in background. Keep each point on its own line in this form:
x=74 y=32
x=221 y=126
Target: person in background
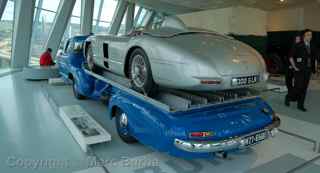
x=290 y=71
x=46 y=58
x=303 y=63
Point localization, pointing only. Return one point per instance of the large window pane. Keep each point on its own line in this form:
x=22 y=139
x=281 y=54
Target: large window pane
x=73 y=27
x=6 y=29
x=103 y=13
x=45 y=13
x=51 y=5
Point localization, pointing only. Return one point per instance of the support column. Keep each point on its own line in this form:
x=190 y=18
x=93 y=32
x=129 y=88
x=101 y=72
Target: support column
x=117 y=18
x=130 y=17
x=3 y=4
x=86 y=16
x=60 y=24
x=22 y=32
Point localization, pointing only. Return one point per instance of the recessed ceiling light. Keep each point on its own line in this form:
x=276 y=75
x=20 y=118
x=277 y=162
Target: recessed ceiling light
x=281 y=0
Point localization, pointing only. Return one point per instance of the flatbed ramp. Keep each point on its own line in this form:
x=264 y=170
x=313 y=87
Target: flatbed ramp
x=178 y=100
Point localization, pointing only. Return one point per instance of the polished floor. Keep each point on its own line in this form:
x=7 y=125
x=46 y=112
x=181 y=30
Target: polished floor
x=34 y=139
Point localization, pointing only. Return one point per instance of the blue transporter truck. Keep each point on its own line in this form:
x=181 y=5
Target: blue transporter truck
x=180 y=123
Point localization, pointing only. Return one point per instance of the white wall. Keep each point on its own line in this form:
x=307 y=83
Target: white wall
x=251 y=21
x=285 y=20
x=306 y=16
x=236 y=20
x=216 y=20
x=248 y=21
x=311 y=16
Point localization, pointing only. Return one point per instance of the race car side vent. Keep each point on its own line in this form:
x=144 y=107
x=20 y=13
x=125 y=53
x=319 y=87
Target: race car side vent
x=106 y=54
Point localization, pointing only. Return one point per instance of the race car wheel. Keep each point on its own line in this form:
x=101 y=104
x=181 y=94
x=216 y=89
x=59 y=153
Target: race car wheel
x=122 y=125
x=90 y=60
x=140 y=73
x=75 y=91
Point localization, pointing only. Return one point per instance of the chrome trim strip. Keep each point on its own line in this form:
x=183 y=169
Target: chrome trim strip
x=230 y=144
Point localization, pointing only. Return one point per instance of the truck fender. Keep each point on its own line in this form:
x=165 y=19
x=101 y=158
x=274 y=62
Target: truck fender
x=116 y=102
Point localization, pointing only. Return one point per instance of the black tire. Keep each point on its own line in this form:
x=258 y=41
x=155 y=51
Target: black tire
x=148 y=87
x=90 y=65
x=277 y=66
x=75 y=91
x=123 y=130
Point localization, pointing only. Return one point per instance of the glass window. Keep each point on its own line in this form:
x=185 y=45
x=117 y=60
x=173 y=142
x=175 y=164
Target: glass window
x=66 y=47
x=122 y=29
x=142 y=18
x=6 y=30
x=103 y=14
x=73 y=46
x=73 y=27
x=50 y=5
x=70 y=47
x=157 y=21
x=108 y=10
x=78 y=46
x=45 y=13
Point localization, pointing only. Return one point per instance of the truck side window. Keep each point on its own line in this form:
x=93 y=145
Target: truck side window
x=70 y=47
x=66 y=47
x=78 y=46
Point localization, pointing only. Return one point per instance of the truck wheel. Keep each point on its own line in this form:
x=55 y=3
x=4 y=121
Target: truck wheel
x=75 y=91
x=122 y=125
x=140 y=73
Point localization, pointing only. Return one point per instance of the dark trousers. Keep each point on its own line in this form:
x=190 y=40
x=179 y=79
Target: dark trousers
x=301 y=84
x=289 y=76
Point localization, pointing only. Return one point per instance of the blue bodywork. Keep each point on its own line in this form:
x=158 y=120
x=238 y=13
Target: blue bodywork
x=158 y=128
x=71 y=60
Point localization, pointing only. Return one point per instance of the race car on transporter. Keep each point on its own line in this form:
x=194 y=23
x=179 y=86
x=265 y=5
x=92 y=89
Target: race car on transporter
x=162 y=51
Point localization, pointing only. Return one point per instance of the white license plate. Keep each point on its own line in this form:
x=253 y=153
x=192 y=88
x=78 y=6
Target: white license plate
x=256 y=138
x=248 y=80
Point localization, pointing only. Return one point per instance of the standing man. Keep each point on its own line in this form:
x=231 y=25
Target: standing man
x=303 y=63
x=289 y=76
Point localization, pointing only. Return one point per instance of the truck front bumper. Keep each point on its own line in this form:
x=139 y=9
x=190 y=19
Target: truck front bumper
x=229 y=144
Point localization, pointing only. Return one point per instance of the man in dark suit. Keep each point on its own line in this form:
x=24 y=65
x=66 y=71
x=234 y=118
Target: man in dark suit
x=289 y=75
x=304 y=58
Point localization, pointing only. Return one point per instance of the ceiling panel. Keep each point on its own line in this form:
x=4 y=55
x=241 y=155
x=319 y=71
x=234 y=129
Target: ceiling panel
x=261 y=4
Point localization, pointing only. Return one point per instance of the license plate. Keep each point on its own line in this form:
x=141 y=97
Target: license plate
x=248 y=80
x=256 y=138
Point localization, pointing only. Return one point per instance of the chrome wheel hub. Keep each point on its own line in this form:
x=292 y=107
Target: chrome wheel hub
x=139 y=71
x=123 y=120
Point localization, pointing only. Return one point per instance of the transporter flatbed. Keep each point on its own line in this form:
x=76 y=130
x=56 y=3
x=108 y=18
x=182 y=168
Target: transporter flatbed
x=176 y=100
x=180 y=123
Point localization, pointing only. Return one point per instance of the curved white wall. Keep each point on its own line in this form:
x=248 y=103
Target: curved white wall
x=216 y=20
x=251 y=21
x=236 y=20
x=286 y=20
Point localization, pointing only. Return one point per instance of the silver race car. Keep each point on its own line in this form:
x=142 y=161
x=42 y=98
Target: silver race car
x=162 y=51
